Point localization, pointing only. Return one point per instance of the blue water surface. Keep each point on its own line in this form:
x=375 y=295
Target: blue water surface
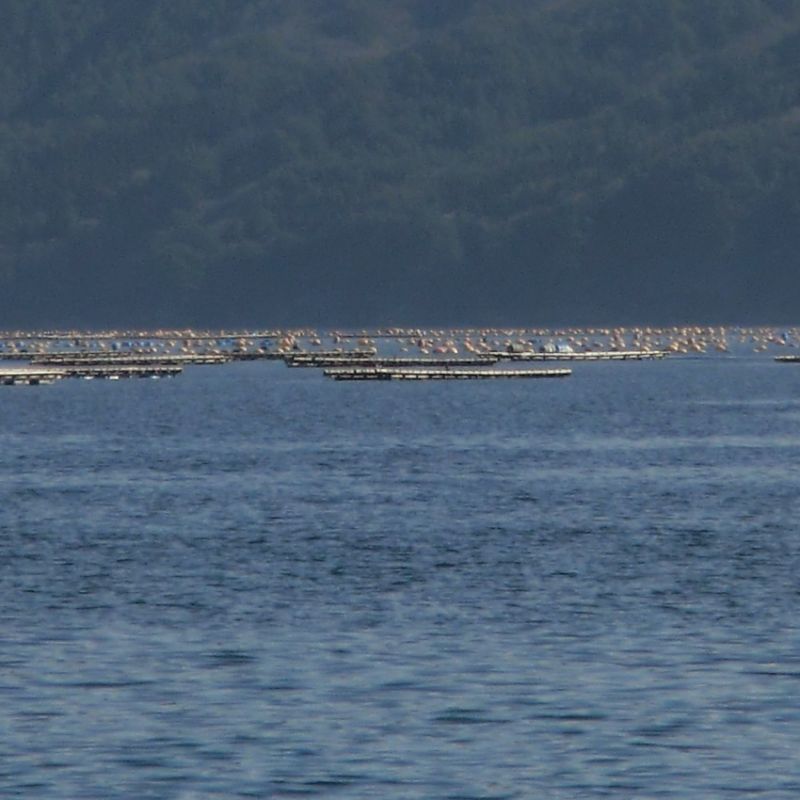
x=250 y=581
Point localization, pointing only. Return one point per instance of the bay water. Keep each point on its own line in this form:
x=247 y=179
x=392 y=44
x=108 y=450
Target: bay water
x=250 y=581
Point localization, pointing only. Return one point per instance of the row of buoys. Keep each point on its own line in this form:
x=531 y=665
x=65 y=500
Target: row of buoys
x=437 y=341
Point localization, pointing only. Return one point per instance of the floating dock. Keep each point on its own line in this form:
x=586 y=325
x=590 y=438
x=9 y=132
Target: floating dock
x=254 y=355
x=609 y=355
x=36 y=375
x=29 y=376
x=401 y=374
x=788 y=359
x=125 y=359
x=302 y=356
x=313 y=360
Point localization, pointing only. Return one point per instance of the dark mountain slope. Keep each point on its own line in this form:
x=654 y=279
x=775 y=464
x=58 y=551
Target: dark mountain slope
x=368 y=161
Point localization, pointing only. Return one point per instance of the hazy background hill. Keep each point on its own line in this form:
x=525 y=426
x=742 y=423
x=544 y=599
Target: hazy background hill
x=406 y=161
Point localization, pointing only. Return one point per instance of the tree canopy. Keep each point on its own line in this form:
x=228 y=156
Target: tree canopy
x=399 y=161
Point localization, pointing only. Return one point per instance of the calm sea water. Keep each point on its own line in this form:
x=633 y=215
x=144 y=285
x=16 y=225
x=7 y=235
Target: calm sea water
x=251 y=582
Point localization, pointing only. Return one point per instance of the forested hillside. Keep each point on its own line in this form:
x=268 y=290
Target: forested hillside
x=399 y=161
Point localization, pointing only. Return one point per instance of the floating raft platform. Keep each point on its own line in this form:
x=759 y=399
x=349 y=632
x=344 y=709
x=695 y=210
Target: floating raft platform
x=313 y=360
x=137 y=357
x=122 y=371
x=390 y=374
x=125 y=359
x=296 y=355
x=608 y=355
x=321 y=355
x=254 y=355
x=29 y=376
x=35 y=375
x=166 y=336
